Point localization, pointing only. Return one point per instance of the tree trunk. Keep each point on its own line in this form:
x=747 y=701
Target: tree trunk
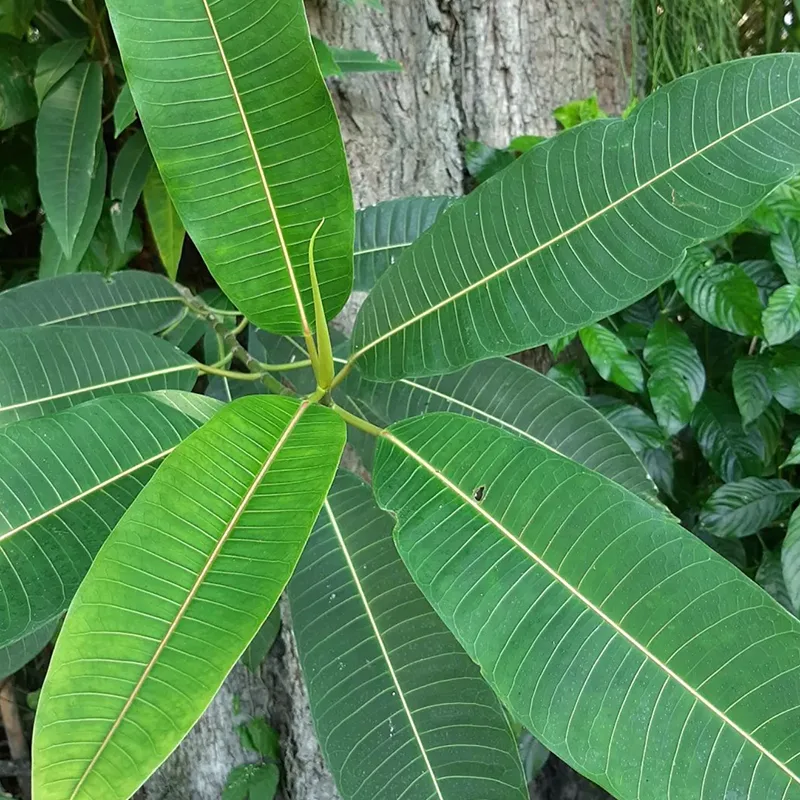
x=484 y=70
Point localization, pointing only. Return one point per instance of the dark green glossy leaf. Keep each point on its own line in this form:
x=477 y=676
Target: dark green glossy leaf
x=124 y=110
x=66 y=135
x=781 y=317
x=66 y=479
x=104 y=254
x=614 y=635
x=43 y=370
x=191 y=584
x=17 y=97
x=744 y=507
x=568 y=376
x=483 y=162
x=16 y=16
x=784 y=379
x=751 y=387
x=790 y=561
x=766 y=275
x=18 y=653
x=400 y=709
x=55 y=62
x=127 y=182
x=165 y=224
x=677 y=377
x=635 y=426
x=258 y=648
x=722 y=294
x=130 y=299
x=786 y=249
x=769 y=577
x=611 y=358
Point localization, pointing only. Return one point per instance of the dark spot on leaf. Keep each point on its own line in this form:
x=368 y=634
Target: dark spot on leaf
x=479 y=493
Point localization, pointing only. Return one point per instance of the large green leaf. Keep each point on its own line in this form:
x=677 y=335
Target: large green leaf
x=53 y=260
x=723 y=295
x=677 y=379
x=517 y=399
x=66 y=134
x=786 y=249
x=634 y=424
x=732 y=452
x=610 y=357
x=614 y=635
x=743 y=508
x=245 y=135
x=781 y=317
x=18 y=653
x=790 y=560
x=784 y=378
x=65 y=481
x=585 y=223
x=130 y=299
x=400 y=709
x=43 y=370
x=127 y=182
x=165 y=224
x=385 y=230
x=55 y=62
x=751 y=387
x=180 y=587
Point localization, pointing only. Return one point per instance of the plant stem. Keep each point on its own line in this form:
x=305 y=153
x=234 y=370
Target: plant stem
x=323 y=368
x=289 y=365
x=753 y=344
x=211 y=369
x=357 y=422
x=342 y=373
x=241 y=326
x=96 y=22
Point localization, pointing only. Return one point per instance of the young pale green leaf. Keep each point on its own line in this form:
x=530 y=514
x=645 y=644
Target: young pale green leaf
x=578 y=111
x=560 y=343
x=614 y=635
x=337 y=61
x=385 y=230
x=377 y=660
x=722 y=294
x=43 y=370
x=194 y=567
x=65 y=481
x=769 y=576
x=127 y=182
x=54 y=63
x=786 y=249
x=611 y=358
x=53 y=260
x=124 y=110
x=67 y=131
x=165 y=224
x=247 y=141
x=18 y=653
x=517 y=399
x=744 y=507
x=552 y=244
x=790 y=560
x=784 y=379
x=568 y=376
x=131 y=299
x=751 y=387
x=732 y=452
x=781 y=317
x=258 y=648
x=677 y=379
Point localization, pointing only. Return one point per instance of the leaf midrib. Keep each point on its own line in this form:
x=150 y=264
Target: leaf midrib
x=109 y=309
x=260 y=169
x=564 y=234
x=384 y=652
x=181 y=612
x=575 y=592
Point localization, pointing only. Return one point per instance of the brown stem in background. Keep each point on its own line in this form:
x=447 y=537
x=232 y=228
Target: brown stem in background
x=15 y=734
x=97 y=24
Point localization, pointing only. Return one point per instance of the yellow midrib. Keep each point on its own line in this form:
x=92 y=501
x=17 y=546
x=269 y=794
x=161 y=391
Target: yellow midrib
x=259 y=477
x=564 y=234
x=575 y=592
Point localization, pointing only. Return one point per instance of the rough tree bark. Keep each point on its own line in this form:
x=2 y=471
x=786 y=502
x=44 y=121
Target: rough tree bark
x=474 y=69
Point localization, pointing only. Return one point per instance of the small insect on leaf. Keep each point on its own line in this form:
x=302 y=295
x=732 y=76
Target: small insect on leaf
x=479 y=493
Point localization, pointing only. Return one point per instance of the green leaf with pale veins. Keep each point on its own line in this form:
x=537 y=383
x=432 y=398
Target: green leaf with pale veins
x=247 y=141
x=611 y=358
x=732 y=452
x=127 y=182
x=131 y=299
x=781 y=317
x=338 y=61
x=786 y=249
x=622 y=642
x=723 y=295
x=55 y=62
x=385 y=230
x=65 y=480
x=18 y=653
x=677 y=377
x=517 y=399
x=165 y=224
x=384 y=673
x=549 y=246
x=744 y=507
x=66 y=134
x=790 y=560
x=194 y=566
x=43 y=370
x=124 y=110
x=751 y=387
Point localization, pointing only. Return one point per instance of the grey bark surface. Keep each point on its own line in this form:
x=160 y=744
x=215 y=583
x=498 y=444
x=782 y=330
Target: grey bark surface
x=474 y=69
